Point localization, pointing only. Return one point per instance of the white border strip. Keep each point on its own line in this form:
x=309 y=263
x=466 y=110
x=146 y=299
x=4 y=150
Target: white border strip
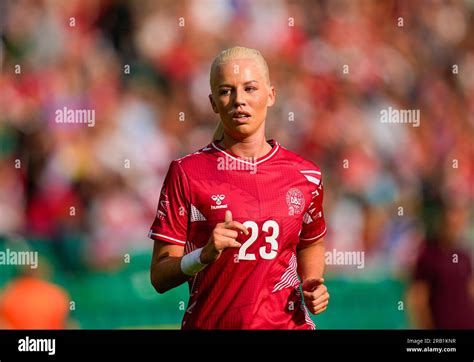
x=277 y=145
x=312 y=179
x=166 y=237
x=318 y=236
x=310 y=171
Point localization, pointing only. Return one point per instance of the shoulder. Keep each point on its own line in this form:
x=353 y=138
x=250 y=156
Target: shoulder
x=195 y=158
x=301 y=163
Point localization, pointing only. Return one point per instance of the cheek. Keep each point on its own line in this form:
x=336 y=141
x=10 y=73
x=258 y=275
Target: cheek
x=259 y=103
x=222 y=104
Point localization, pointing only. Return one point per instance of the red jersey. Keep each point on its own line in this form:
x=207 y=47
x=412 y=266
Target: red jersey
x=278 y=197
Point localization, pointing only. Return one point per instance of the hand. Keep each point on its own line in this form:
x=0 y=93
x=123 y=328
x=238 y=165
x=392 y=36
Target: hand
x=223 y=236
x=316 y=296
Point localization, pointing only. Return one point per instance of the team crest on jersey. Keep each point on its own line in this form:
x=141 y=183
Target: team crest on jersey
x=295 y=201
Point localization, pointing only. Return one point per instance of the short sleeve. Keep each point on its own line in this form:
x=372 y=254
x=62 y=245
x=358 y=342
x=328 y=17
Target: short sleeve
x=171 y=221
x=314 y=225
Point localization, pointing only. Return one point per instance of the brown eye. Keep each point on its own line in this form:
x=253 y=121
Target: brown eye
x=250 y=89
x=224 y=92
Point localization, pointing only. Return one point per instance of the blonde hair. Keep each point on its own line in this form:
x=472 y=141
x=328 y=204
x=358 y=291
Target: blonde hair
x=231 y=54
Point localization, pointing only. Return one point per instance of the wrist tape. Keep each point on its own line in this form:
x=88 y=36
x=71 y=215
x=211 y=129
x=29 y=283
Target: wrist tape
x=191 y=263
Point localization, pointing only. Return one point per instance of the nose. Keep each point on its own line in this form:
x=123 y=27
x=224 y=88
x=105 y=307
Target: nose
x=239 y=99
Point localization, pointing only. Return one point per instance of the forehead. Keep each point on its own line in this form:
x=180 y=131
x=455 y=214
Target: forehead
x=239 y=70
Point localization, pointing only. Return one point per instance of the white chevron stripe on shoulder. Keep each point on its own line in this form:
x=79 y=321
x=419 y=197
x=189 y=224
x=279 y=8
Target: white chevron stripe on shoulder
x=311 y=171
x=196 y=215
x=312 y=179
x=307 y=218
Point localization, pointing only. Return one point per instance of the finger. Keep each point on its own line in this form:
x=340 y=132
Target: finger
x=226 y=242
x=317 y=294
x=229 y=233
x=320 y=310
x=236 y=226
x=319 y=291
x=317 y=308
x=320 y=306
x=311 y=284
x=228 y=216
x=322 y=299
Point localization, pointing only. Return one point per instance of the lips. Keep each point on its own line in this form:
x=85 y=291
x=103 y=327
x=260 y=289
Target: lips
x=240 y=116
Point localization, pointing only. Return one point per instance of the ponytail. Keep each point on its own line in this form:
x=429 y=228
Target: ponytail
x=218 y=133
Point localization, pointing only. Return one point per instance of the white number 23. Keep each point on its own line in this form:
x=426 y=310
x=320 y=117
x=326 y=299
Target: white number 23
x=271 y=239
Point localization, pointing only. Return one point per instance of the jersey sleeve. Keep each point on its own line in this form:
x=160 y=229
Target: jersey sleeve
x=314 y=225
x=171 y=221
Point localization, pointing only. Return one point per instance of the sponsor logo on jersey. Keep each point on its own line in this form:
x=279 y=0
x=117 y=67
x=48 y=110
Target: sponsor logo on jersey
x=295 y=201
x=218 y=200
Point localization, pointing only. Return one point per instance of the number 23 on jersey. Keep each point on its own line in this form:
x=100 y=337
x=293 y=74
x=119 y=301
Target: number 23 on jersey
x=270 y=241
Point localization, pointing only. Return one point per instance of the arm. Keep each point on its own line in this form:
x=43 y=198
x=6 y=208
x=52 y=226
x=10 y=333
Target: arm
x=165 y=270
x=418 y=305
x=311 y=261
x=310 y=270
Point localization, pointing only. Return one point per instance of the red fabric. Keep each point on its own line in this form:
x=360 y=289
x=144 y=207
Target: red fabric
x=236 y=293
x=448 y=281
x=50 y=207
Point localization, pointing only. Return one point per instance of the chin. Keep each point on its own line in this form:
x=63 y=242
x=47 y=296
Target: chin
x=244 y=128
x=243 y=131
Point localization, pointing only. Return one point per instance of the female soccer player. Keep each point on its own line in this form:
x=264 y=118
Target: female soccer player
x=241 y=219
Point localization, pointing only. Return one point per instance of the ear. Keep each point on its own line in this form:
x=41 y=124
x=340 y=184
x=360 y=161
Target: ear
x=271 y=96
x=213 y=104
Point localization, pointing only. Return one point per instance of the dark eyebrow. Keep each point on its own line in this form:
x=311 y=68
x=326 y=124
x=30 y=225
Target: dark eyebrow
x=230 y=86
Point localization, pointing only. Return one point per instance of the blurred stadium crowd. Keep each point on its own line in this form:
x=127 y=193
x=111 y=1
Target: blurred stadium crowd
x=144 y=68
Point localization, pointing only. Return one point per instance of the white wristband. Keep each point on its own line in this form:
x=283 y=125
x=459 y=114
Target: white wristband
x=191 y=263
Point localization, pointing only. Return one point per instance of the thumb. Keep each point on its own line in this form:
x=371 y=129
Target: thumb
x=228 y=216
x=310 y=285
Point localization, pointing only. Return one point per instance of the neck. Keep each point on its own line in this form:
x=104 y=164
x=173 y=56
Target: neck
x=254 y=146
